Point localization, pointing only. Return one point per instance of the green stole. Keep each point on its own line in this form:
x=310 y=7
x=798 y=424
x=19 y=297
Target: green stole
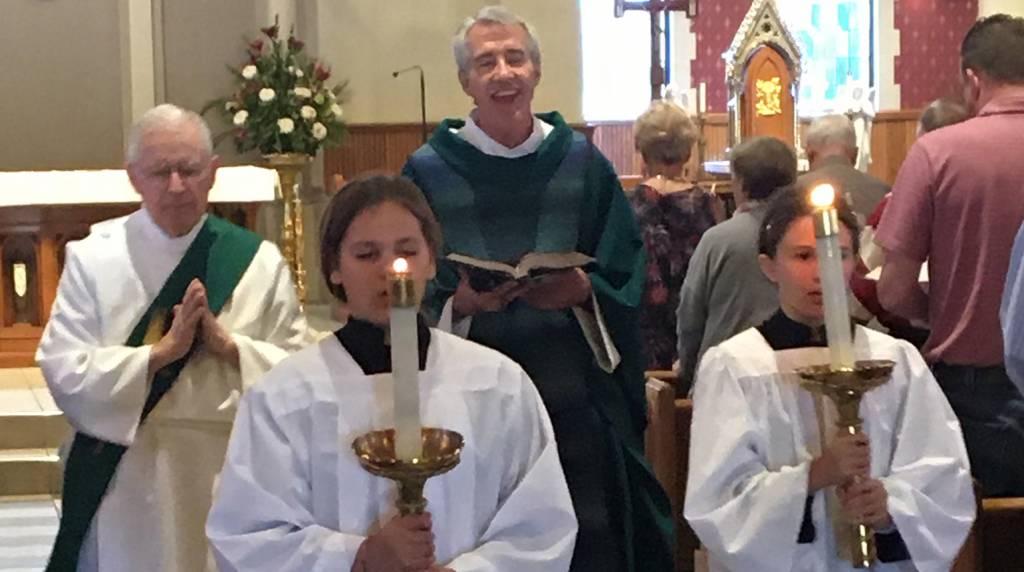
x=218 y=256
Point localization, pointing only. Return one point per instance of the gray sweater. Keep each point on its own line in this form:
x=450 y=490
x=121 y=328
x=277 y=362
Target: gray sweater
x=724 y=291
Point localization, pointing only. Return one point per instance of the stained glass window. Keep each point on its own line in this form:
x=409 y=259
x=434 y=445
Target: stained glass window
x=835 y=38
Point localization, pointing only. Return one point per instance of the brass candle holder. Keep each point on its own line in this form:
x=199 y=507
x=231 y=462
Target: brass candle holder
x=441 y=451
x=846 y=388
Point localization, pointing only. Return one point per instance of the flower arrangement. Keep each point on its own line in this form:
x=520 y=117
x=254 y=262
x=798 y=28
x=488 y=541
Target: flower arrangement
x=282 y=103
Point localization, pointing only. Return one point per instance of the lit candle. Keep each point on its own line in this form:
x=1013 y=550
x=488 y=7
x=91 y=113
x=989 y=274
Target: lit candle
x=833 y=284
x=405 y=361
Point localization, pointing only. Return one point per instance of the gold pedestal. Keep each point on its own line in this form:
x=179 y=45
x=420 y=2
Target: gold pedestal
x=289 y=167
x=376 y=453
x=846 y=388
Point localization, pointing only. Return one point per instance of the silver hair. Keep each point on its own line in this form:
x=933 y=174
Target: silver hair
x=492 y=15
x=829 y=131
x=165 y=116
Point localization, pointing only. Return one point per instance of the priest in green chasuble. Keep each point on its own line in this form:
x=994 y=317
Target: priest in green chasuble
x=162 y=319
x=505 y=183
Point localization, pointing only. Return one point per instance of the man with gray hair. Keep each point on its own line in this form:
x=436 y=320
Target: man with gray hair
x=503 y=183
x=831 y=147
x=162 y=318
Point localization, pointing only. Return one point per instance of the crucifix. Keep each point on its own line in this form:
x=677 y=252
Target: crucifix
x=657 y=8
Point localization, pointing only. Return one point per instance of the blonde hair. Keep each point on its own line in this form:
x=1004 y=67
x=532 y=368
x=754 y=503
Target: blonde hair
x=664 y=133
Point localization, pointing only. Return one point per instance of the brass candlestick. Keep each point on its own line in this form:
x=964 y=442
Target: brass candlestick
x=376 y=453
x=846 y=388
x=289 y=168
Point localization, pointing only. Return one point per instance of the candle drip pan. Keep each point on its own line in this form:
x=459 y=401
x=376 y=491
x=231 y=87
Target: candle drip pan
x=846 y=388
x=376 y=453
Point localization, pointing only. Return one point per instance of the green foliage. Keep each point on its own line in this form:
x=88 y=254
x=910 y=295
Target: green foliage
x=282 y=103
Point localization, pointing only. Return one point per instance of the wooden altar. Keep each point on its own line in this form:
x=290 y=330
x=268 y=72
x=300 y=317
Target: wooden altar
x=40 y=212
x=762 y=72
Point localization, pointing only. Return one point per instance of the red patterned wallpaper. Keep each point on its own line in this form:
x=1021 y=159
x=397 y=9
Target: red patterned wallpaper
x=928 y=66
x=715 y=26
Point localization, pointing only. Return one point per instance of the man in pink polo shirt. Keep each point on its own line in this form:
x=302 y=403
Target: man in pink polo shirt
x=957 y=203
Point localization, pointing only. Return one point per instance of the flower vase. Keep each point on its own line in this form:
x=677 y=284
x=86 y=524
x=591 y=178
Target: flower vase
x=289 y=169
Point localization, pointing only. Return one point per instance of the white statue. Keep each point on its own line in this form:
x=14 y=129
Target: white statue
x=856 y=101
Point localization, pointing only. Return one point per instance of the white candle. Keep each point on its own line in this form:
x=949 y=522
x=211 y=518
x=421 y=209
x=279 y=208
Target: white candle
x=703 y=97
x=691 y=101
x=405 y=362
x=833 y=283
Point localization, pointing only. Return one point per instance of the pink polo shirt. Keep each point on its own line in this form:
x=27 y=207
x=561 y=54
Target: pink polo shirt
x=958 y=202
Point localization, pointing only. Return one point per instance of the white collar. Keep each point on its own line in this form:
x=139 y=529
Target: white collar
x=475 y=136
x=153 y=232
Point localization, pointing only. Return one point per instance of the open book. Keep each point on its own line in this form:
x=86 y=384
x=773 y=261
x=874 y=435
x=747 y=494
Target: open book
x=486 y=275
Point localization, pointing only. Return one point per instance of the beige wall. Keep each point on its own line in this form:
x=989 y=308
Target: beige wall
x=1012 y=7
x=61 y=98
x=200 y=39
x=365 y=43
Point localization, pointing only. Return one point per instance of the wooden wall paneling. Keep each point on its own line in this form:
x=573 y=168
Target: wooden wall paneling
x=385 y=146
x=892 y=136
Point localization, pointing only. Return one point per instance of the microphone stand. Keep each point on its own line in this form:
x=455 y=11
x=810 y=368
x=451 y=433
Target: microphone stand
x=423 y=97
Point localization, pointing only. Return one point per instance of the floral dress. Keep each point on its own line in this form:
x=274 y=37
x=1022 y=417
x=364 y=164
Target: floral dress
x=671 y=225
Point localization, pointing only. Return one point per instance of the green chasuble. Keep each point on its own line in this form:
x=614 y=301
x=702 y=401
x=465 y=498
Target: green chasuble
x=563 y=197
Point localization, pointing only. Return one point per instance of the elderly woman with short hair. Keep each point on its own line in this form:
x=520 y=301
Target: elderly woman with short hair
x=672 y=214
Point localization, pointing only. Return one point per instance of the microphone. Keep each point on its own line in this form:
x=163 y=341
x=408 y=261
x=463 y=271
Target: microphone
x=423 y=96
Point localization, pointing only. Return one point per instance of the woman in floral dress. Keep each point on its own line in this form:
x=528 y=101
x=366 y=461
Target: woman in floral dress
x=672 y=214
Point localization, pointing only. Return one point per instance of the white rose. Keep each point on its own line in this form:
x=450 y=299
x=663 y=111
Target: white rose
x=249 y=71
x=266 y=94
x=319 y=131
x=308 y=112
x=336 y=110
x=303 y=92
x=297 y=72
x=240 y=118
x=285 y=125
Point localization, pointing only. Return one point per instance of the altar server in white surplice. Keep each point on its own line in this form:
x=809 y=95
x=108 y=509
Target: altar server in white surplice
x=770 y=473
x=292 y=496
x=162 y=319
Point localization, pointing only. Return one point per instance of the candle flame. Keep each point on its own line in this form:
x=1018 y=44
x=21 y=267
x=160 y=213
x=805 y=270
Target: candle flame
x=400 y=265
x=823 y=196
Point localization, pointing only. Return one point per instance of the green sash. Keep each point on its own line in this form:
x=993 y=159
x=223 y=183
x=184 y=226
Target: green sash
x=218 y=256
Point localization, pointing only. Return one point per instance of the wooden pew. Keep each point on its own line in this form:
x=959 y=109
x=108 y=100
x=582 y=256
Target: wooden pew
x=667 y=442
x=1001 y=534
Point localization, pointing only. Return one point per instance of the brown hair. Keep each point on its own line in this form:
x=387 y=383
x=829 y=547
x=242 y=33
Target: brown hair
x=789 y=204
x=764 y=164
x=360 y=195
x=942 y=112
x=664 y=133
x=994 y=46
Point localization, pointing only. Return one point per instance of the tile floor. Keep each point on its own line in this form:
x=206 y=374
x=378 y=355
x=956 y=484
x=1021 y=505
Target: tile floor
x=28 y=526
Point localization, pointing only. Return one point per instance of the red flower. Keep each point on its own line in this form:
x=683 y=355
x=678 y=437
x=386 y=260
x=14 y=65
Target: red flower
x=271 y=31
x=294 y=44
x=320 y=72
x=256 y=47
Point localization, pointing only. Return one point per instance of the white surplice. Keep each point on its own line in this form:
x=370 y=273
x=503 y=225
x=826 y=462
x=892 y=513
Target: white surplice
x=153 y=515
x=755 y=433
x=292 y=496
